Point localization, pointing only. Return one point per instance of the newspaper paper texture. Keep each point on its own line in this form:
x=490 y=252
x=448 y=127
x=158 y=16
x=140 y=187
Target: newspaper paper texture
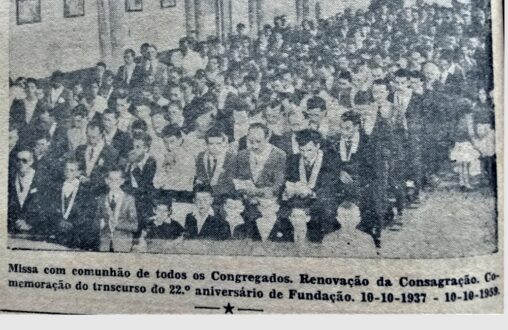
x=251 y=156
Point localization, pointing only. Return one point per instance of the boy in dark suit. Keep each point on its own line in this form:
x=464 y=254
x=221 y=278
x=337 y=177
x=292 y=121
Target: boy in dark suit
x=203 y=223
x=125 y=72
x=312 y=180
x=348 y=148
x=139 y=175
x=162 y=226
x=113 y=136
x=74 y=212
x=117 y=216
x=213 y=166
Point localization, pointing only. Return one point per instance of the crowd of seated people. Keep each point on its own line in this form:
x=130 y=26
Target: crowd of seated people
x=268 y=137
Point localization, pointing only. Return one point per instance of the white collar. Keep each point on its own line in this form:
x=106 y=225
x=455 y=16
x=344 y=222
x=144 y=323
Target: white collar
x=28 y=176
x=111 y=135
x=98 y=146
x=210 y=213
x=71 y=183
x=118 y=195
x=143 y=161
x=355 y=141
x=200 y=220
x=313 y=159
x=52 y=129
x=265 y=153
x=451 y=69
x=57 y=91
x=316 y=168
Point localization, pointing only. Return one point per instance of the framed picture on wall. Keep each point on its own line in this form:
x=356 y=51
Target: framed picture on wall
x=74 y=8
x=133 y=5
x=28 y=11
x=168 y=3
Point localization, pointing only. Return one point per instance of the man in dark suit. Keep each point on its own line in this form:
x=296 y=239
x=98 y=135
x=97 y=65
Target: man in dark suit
x=54 y=96
x=55 y=131
x=97 y=74
x=204 y=223
x=342 y=89
x=139 y=175
x=260 y=170
x=95 y=158
x=25 y=113
x=47 y=162
x=14 y=147
x=74 y=212
x=348 y=147
x=375 y=209
x=287 y=142
x=25 y=207
x=214 y=166
x=114 y=137
x=116 y=215
x=312 y=180
x=125 y=72
x=452 y=76
x=415 y=122
x=150 y=66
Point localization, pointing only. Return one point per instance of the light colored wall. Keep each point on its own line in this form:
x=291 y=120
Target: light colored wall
x=56 y=43
x=328 y=8
x=164 y=27
x=73 y=43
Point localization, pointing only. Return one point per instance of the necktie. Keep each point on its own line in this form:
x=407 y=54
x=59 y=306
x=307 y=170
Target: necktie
x=349 y=144
x=308 y=170
x=21 y=186
x=112 y=203
x=212 y=163
x=90 y=158
x=66 y=202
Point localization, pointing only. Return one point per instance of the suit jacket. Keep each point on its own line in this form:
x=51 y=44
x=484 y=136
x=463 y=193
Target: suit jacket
x=455 y=82
x=160 y=73
x=106 y=161
x=121 y=78
x=127 y=216
x=17 y=115
x=223 y=184
x=327 y=179
x=414 y=114
x=272 y=175
x=49 y=170
x=214 y=228
x=94 y=77
x=285 y=143
x=59 y=142
x=32 y=210
x=144 y=177
x=377 y=170
x=354 y=166
x=275 y=140
x=122 y=142
x=167 y=231
x=84 y=233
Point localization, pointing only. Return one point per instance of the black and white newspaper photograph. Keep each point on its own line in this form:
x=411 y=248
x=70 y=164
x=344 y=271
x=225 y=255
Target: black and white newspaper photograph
x=252 y=156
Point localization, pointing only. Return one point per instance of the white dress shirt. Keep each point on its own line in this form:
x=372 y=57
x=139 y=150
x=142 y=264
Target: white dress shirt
x=23 y=185
x=257 y=162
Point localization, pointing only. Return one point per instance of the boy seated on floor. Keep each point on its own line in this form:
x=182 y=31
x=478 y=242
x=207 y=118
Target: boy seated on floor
x=161 y=225
x=203 y=223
